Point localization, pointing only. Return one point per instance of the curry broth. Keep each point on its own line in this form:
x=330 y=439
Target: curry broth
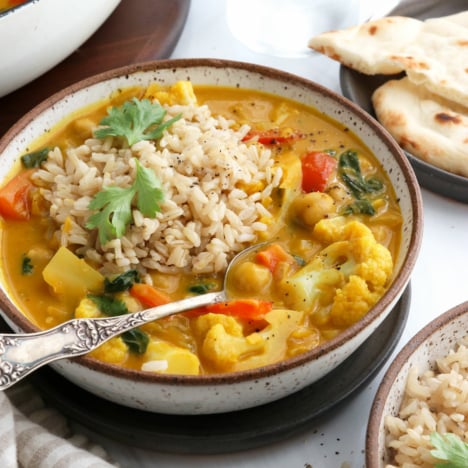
x=20 y=239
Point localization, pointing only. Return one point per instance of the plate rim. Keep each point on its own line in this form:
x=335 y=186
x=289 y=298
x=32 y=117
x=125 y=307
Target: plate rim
x=215 y=436
x=429 y=176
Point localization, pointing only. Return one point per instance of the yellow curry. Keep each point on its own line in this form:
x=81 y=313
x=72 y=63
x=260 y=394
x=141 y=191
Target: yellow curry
x=7 y=4
x=330 y=214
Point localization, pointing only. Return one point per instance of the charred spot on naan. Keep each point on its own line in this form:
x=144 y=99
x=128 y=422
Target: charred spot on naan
x=409 y=62
x=448 y=118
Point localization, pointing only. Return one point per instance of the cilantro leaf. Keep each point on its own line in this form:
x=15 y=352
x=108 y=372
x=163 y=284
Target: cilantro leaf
x=135 y=120
x=149 y=191
x=114 y=204
x=450 y=449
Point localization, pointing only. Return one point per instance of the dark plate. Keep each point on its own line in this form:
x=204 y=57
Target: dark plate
x=359 y=88
x=240 y=430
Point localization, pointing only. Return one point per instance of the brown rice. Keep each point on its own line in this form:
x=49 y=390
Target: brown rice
x=436 y=401
x=214 y=186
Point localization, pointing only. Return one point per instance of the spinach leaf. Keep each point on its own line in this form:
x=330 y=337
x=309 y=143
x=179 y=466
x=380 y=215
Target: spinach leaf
x=136 y=340
x=26 y=266
x=109 y=305
x=359 y=207
x=35 y=159
x=121 y=282
x=349 y=169
x=201 y=288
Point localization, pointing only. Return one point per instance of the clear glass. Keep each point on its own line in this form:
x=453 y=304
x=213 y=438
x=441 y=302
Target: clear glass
x=283 y=27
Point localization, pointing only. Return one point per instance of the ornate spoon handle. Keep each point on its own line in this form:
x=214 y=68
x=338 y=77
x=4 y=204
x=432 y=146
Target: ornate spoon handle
x=22 y=353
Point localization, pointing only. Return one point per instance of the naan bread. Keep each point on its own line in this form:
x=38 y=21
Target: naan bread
x=368 y=48
x=426 y=125
x=438 y=57
x=434 y=53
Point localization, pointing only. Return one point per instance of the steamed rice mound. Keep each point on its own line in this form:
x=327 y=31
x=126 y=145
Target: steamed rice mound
x=436 y=401
x=216 y=193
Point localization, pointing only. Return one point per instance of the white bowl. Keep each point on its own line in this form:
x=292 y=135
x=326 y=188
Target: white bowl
x=38 y=34
x=433 y=342
x=226 y=392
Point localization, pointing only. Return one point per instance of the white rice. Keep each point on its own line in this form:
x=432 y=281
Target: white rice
x=207 y=215
x=436 y=401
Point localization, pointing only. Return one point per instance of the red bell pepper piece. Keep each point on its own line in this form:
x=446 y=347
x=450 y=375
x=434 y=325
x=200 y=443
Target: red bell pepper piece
x=15 y=203
x=272 y=137
x=317 y=167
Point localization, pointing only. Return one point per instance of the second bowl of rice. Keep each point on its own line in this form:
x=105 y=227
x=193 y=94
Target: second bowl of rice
x=420 y=410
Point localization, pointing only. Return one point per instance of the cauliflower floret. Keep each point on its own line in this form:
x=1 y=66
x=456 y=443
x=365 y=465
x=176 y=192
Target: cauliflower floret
x=207 y=321
x=346 y=278
x=224 y=349
x=352 y=302
x=114 y=351
x=227 y=349
x=87 y=309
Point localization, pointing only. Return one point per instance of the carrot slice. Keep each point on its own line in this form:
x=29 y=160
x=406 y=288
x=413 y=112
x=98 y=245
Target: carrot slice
x=272 y=256
x=149 y=295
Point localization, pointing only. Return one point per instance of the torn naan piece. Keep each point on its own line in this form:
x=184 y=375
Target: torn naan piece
x=424 y=124
x=438 y=58
x=367 y=48
x=434 y=53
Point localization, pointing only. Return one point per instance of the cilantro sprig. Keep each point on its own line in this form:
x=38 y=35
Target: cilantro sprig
x=114 y=204
x=135 y=120
x=450 y=449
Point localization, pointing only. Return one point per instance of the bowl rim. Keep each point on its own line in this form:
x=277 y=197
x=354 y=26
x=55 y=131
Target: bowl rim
x=387 y=382
x=397 y=286
x=11 y=10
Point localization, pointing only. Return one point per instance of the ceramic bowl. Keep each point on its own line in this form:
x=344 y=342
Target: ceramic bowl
x=226 y=392
x=38 y=34
x=433 y=342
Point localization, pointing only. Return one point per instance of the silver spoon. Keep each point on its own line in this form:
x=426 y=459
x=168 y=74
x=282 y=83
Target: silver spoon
x=23 y=353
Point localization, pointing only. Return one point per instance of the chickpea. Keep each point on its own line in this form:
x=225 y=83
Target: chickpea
x=250 y=277
x=311 y=207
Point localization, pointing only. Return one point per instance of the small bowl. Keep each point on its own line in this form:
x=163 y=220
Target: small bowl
x=433 y=342
x=38 y=34
x=232 y=391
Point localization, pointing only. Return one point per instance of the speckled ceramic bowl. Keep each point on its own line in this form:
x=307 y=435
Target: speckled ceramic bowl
x=226 y=392
x=38 y=34
x=433 y=342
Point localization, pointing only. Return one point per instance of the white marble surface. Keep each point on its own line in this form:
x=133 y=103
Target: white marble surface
x=439 y=281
